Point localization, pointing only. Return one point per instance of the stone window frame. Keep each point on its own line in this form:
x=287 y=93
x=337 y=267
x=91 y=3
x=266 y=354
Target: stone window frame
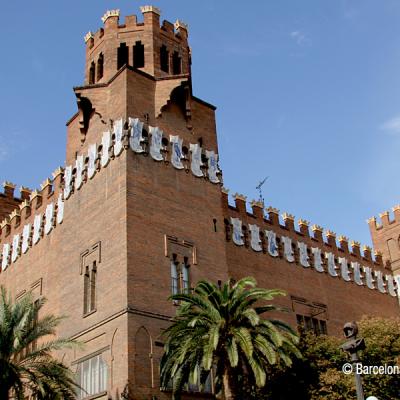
x=89 y=262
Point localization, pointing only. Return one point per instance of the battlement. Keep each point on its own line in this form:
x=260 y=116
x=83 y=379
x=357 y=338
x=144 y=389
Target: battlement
x=160 y=50
x=267 y=236
x=385 y=219
x=286 y=222
x=40 y=213
x=8 y=199
x=385 y=233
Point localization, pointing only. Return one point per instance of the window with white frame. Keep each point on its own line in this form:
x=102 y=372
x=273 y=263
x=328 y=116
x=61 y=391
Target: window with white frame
x=180 y=277
x=91 y=377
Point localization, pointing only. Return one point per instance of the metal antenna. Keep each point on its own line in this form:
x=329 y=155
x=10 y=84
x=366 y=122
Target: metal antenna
x=259 y=188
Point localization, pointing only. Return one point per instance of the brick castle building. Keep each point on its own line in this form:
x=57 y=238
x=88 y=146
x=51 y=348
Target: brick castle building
x=139 y=212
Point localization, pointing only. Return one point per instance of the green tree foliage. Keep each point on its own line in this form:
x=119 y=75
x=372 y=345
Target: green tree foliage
x=319 y=376
x=26 y=361
x=223 y=329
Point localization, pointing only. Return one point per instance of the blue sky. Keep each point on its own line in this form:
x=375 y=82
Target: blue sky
x=308 y=93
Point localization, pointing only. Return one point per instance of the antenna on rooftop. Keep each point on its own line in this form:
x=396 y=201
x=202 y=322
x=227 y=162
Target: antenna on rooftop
x=259 y=188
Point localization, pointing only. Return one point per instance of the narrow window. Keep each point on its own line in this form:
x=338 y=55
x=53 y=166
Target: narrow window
x=93 y=288
x=89 y=289
x=100 y=66
x=185 y=286
x=92 y=73
x=174 y=278
x=176 y=63
x=122 y=55
x=164 y=59
x=138 y=55
x=86 y=285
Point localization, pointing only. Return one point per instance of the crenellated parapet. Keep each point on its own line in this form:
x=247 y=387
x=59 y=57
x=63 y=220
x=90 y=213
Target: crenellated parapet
x=385 y=233
x=116 y=44
x=42 y=210
x=264 y=233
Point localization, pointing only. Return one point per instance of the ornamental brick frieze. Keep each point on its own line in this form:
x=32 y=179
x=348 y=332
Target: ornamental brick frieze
x=268 y=237
x=44 y=211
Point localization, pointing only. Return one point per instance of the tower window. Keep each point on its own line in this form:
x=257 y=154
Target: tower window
x=176 y=63
x=164 y=59
x=122 y=55
x=138 y=55
x=89 y=289
x=92 y=73
x=100 y=66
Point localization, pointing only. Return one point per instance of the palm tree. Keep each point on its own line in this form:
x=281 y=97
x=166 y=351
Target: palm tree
x=26 y=362
x=221 y=329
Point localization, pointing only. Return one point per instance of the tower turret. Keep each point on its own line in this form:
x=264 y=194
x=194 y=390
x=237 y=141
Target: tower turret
x=138 y=70
x=160 y=51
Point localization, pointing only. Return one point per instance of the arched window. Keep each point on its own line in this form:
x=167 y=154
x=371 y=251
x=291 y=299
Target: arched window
x=100 y=66
x=138 y=55
x=92 y=73
x=164 y=59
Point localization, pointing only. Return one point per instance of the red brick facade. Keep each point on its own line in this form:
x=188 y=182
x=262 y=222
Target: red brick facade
x=121 y=211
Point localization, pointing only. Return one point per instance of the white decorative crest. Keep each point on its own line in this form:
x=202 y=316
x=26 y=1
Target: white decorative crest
x=357 y=273
x=180 y=24
x=79 y=172
x=303 y=254
x=255 y=241
x=380 y=283
x=287 y=248
x=176 y=152
x=156 y=143
x=6 y=256
x=317 y=254
x=15 y=248
x=272 y=245
x=105 y=143
x=49 y=213
x=369 y=279
x=237 y=233
x=26 y=235
x=153 y=9
x=118 y=132
x=37 y=228
x=196 y=162
x=136 y=139
x=213 y=169
x=60 y=210
x=110 y=13
x=88 y=36
x=390 y=285
x=344 y=269
x=92 y=153
x=332 y=268
x=67 y=181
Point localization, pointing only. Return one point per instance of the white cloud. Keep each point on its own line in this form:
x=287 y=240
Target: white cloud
x=392 y=126
x=300 y=38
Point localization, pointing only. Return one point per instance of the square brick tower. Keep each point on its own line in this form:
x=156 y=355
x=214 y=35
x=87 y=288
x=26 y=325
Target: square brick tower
x=133 y=217
x=139 y=213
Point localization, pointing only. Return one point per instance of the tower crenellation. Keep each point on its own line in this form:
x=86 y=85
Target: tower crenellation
x=159 y=50
x=385 y=233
